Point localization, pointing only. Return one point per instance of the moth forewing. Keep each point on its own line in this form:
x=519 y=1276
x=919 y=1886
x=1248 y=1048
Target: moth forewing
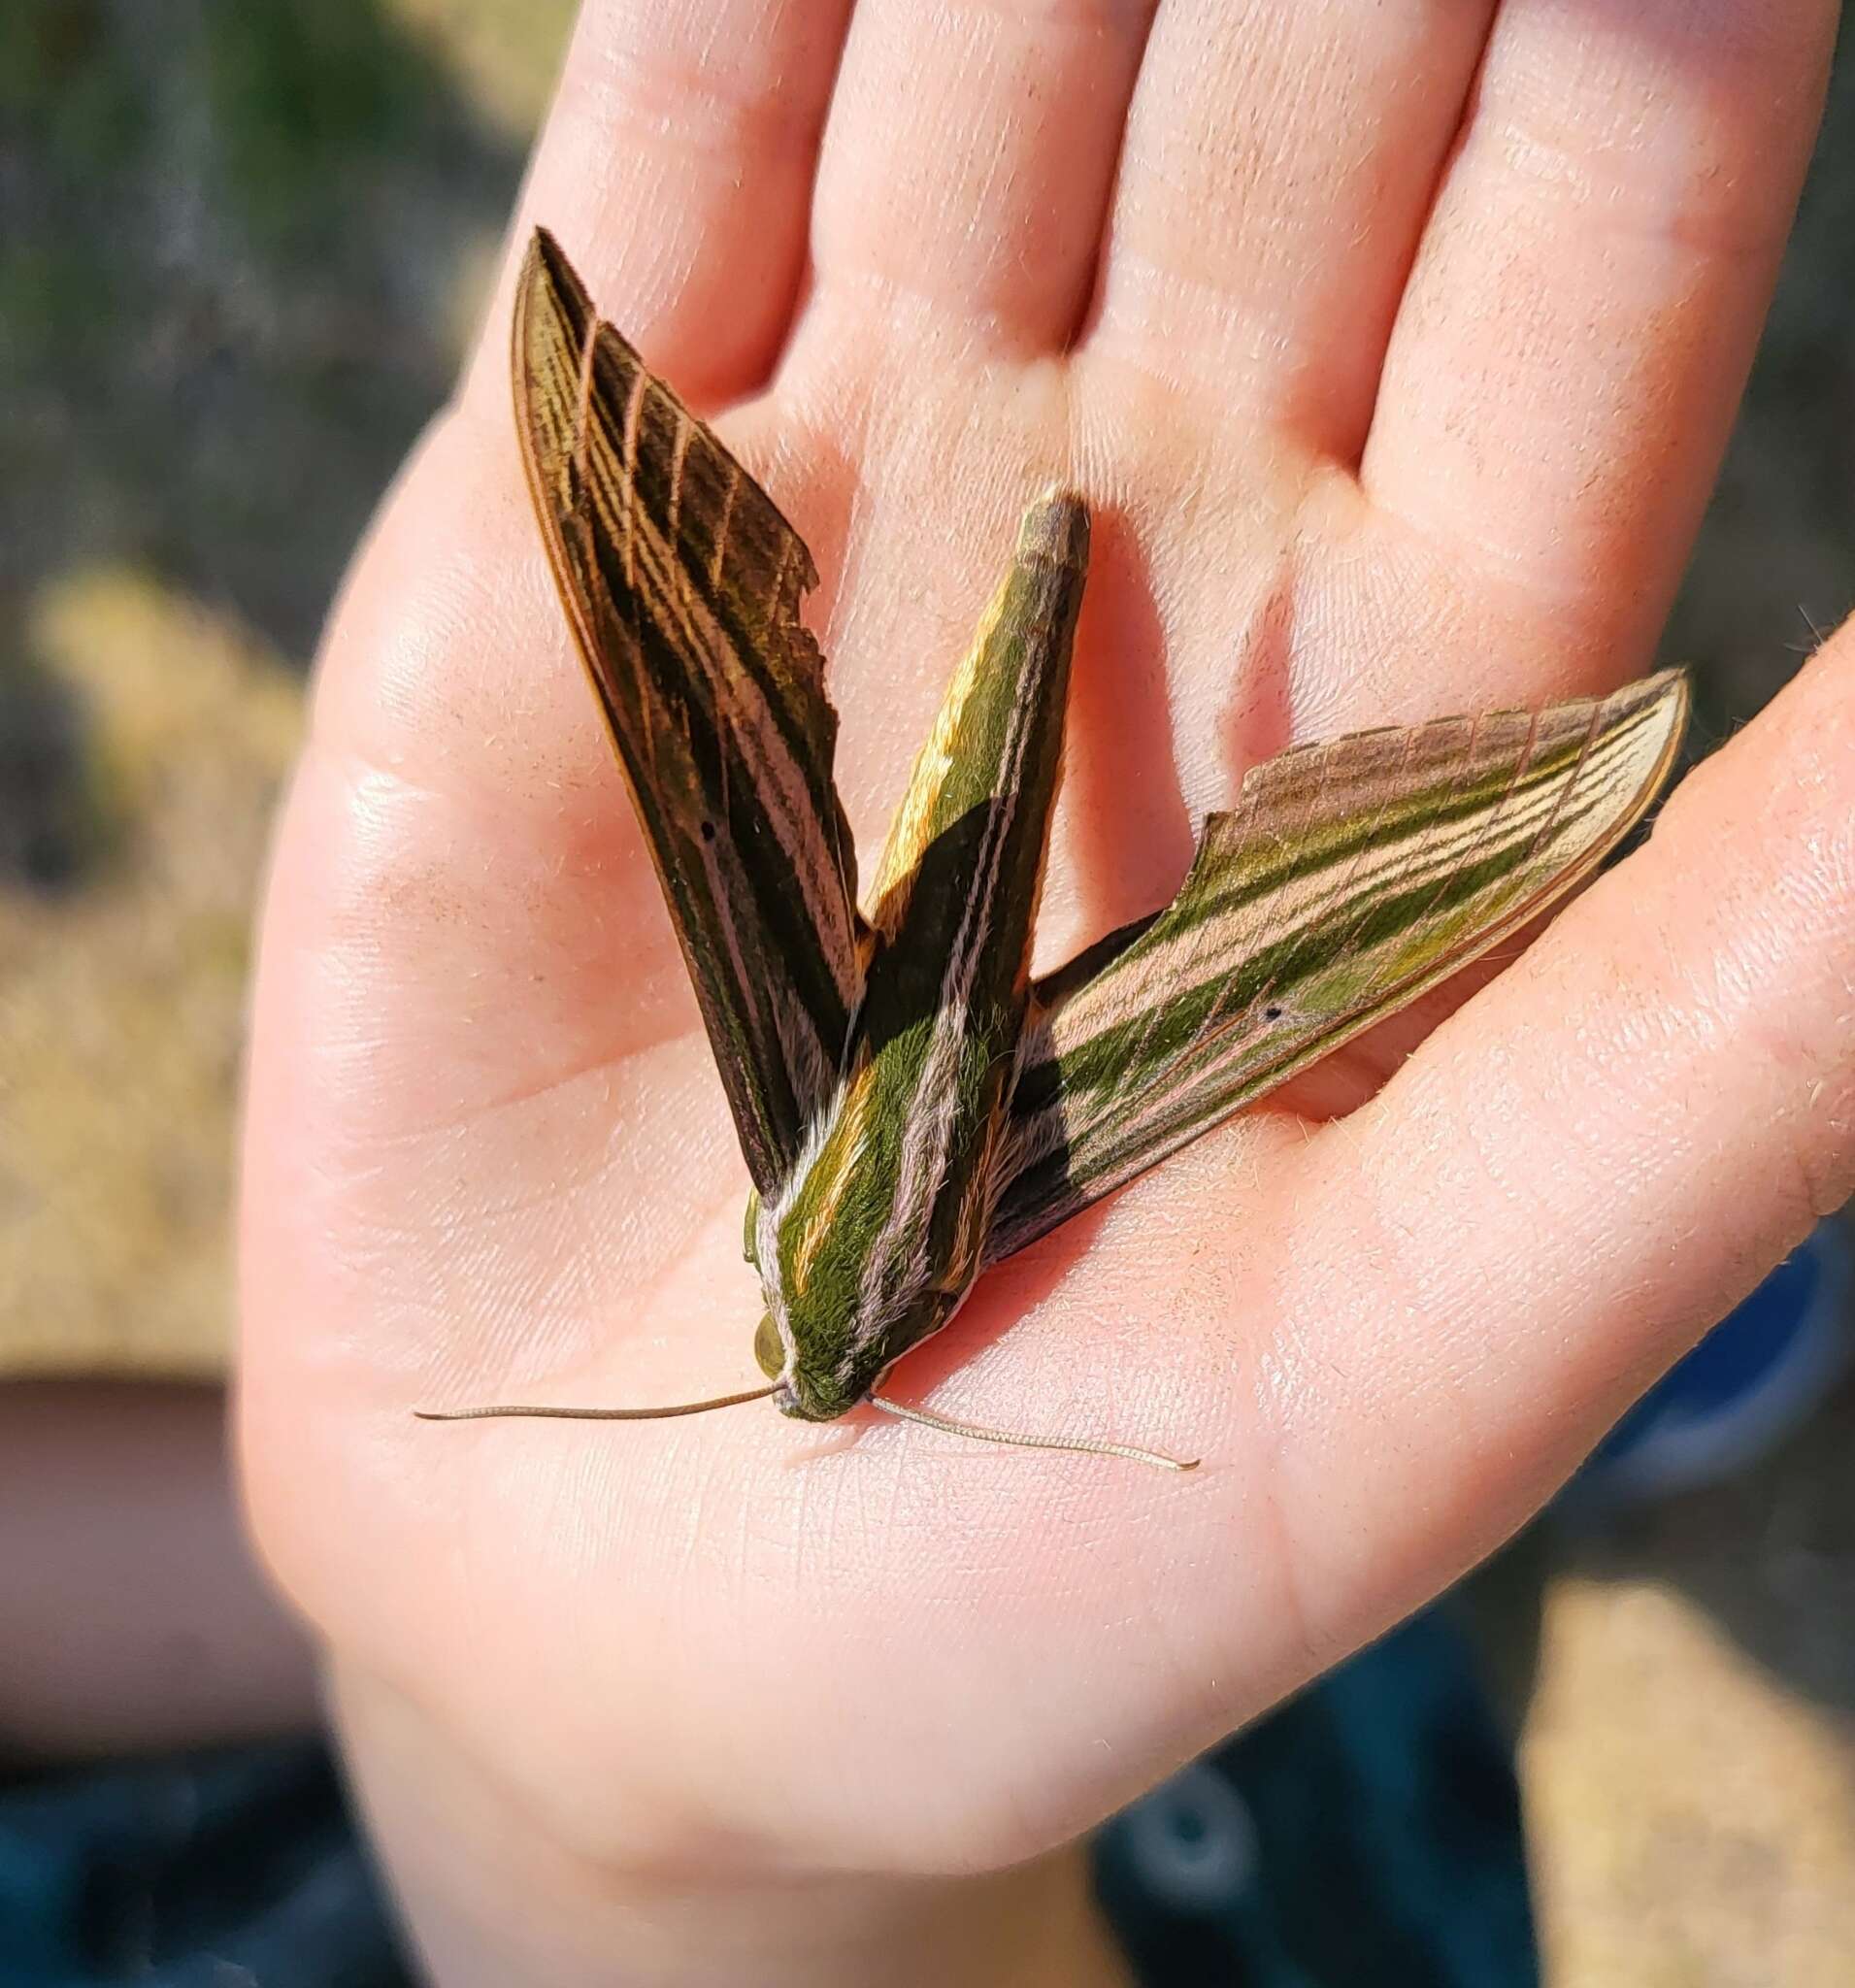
x=1351 y=878
x=681 y=582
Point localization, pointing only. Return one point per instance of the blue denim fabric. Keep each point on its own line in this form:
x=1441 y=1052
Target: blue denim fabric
x=230 y=1869
x=1367 y=1832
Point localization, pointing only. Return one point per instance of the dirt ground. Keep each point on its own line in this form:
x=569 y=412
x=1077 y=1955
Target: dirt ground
x=244 y=246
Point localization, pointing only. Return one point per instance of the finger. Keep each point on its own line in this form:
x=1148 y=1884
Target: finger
x=968 y=160
x=1277 y=168
x=1584 y=304
x=676 y=166
x=1587 y=1166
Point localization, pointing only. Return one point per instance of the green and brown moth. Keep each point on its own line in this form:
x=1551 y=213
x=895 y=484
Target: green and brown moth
x=912 y=1106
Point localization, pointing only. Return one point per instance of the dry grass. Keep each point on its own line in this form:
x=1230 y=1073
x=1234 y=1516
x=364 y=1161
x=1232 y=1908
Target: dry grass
x=122 y=1003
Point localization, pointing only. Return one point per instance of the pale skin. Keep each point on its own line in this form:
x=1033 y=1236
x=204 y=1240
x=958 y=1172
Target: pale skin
x=1396 y=345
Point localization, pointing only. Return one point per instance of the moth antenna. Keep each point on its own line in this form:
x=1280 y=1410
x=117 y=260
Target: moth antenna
x=928 y=1420
x=721 y=1401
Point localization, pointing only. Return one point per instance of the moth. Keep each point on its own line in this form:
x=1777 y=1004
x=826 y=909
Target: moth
x=913 y=1105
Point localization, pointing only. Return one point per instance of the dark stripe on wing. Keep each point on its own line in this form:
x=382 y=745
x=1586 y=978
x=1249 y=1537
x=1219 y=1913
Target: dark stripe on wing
x=682 y=583
x=1351 y=878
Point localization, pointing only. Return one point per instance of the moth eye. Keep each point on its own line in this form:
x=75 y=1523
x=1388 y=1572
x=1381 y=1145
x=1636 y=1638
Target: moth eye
x=1271 y=1012
x=708 y=830
x=769 y=1354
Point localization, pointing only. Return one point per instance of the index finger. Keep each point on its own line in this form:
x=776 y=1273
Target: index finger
x=676 y=166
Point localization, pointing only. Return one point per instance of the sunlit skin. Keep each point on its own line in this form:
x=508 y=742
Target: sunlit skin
x=1378 y=420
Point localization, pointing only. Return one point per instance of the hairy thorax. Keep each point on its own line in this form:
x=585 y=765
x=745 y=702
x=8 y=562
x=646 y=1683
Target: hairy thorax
x=876 y=1241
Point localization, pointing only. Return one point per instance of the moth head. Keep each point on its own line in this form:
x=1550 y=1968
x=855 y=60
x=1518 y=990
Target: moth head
x=808 y=1395
x=831 y=1373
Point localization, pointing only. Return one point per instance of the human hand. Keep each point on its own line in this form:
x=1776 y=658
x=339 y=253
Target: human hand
x=1398 y=384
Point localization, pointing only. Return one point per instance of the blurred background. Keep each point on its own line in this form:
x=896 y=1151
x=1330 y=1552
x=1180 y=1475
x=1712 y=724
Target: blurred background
x=242 y=248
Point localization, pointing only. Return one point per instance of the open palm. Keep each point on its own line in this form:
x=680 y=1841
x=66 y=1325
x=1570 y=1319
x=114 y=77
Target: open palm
x=1395 y=346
